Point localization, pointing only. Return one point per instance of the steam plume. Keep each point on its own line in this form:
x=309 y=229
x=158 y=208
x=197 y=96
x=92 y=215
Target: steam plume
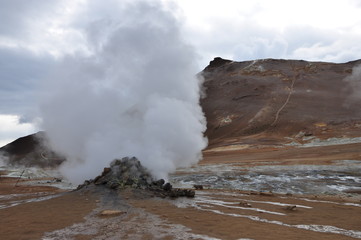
x=136 y=94
x=353 y=86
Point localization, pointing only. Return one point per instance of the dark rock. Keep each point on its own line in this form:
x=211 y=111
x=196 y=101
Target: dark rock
x=217 y=62
x=198 y=187
x=167 y=187
x=291 y=208
x=190 y=193
x=159 y=182
x=106 y=171
x=245 y=204
x=177 y=192
x=87 y=182
x=96 y=180
x=173 y=194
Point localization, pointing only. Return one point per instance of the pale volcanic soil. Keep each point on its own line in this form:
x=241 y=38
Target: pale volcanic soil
x=41 y=212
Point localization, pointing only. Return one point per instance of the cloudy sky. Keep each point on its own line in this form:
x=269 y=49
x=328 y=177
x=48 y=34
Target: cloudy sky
x=36 y=34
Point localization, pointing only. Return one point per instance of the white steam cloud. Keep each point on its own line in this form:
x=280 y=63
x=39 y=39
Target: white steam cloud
x=353 y=86
x=135 y=94
x=3 y=159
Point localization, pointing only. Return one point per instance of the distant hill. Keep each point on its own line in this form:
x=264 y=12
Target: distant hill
x=31 y=150
x=268 y=100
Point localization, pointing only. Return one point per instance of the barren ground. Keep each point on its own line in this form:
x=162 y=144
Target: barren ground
x=30 y=212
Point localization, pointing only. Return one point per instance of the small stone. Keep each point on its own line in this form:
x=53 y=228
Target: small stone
x=105 y=171
x=198 y=187
x=245 y=204
x=189 y=193
x=291 y=208
x=113 y=185
x=159 y=183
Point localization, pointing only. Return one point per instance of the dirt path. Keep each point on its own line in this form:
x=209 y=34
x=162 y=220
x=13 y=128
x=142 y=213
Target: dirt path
x=294 y=78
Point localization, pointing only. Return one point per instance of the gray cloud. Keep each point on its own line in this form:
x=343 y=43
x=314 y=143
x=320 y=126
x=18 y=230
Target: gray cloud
x=248 y=40
x=20 y=73
x=19 y=16
x=22 y=23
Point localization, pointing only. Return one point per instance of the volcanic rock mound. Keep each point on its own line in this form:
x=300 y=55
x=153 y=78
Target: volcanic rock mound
x=129 y=173
x=124 y=172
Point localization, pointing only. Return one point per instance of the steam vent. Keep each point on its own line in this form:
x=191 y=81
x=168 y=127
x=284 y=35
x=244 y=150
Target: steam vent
x=129 y=173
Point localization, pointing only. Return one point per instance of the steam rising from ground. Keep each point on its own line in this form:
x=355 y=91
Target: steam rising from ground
x=354 y=86
x=135 y=94
x=3 y=160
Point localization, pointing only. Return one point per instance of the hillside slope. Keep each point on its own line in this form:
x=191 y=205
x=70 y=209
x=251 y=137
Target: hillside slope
x=268 y=100
x=31 y=150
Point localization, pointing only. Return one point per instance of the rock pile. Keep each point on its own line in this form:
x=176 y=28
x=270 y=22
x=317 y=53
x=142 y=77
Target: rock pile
x=129 y=173
x=126 y=172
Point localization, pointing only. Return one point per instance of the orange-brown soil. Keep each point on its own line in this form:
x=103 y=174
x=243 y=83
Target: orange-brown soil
x=284 y=156
x=223 y=225
x=222 y=214
x=30 y=220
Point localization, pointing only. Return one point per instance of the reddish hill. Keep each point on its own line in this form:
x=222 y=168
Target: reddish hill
x=267 y=100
